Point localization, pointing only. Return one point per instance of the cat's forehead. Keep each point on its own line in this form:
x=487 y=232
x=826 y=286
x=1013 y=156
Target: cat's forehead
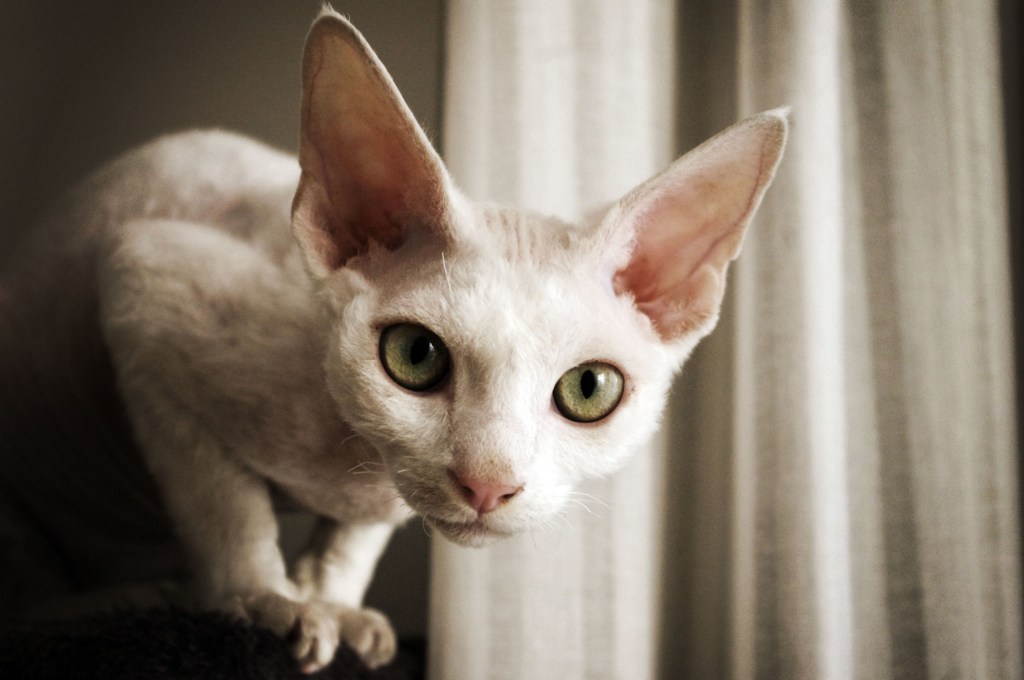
x=522 y=237
x=508 y=317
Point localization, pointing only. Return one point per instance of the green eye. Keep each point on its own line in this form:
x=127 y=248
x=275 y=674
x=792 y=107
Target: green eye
x=413 y=356
x=588 y=392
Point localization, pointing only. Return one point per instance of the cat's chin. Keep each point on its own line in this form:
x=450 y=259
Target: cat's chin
x=468 y=534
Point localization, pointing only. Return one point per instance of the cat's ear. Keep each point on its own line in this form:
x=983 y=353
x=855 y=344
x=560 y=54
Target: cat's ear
x=369 y=174
x=688 y=222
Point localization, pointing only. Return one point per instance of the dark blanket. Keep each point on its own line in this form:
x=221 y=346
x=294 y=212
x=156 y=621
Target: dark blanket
x=159 y=644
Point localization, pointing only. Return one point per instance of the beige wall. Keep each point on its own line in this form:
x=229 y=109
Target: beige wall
x=83 y=81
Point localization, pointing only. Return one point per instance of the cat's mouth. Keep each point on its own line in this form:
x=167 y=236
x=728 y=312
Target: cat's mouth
x=476 y=534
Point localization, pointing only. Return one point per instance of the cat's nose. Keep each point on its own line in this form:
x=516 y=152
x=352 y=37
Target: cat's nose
x=484 y=496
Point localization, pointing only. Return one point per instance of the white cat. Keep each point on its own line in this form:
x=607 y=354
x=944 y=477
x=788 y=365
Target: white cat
x=399 y=349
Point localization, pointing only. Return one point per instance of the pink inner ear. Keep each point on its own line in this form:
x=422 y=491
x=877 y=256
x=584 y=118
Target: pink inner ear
x=688 y=224
x=369 y=173
x=684 y=242
x=366 y=202
x=362 y=157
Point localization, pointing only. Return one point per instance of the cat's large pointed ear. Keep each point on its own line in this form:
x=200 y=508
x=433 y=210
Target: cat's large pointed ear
x=688 y=223
x=369 y=174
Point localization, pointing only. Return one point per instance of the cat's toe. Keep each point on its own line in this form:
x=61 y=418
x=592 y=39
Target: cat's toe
x=315 y=629
x=315 y=637
x=322 y=627
x=370 y=635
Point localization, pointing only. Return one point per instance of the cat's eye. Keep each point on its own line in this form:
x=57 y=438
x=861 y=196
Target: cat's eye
x=413 y=356
x=589 y=392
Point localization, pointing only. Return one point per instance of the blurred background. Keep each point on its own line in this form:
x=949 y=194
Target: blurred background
x=904 y=167
x=82 y=82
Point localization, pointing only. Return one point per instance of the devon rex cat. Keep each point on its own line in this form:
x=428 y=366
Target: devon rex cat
x=349 y=335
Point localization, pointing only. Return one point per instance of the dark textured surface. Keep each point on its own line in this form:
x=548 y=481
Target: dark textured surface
x=158 y=644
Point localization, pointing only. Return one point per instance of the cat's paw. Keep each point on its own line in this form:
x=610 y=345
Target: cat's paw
x=316 y=629
x=321 y=627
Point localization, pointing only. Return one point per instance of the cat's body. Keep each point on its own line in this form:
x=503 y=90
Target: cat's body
x=406 y=350
x=228 y=296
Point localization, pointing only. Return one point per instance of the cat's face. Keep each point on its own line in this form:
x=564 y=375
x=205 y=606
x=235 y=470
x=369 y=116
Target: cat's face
x=492 y=356
x=510 y=360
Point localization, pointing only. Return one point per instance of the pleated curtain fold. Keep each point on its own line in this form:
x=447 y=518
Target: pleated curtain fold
x=834 y=494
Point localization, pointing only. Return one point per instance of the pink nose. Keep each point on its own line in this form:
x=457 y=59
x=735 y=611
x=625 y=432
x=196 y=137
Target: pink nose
x=484 y=496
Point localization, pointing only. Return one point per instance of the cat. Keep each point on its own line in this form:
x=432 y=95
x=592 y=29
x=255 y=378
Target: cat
x=348 y=334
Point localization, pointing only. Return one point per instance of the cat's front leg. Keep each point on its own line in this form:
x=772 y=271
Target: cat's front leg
x=332 y=576
x=222 y=513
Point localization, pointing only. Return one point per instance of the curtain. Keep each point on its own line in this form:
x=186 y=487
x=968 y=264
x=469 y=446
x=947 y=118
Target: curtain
x=834 y=494
x=557 y=107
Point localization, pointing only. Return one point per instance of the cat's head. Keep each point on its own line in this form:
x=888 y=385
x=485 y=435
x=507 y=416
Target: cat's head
x=496 y=357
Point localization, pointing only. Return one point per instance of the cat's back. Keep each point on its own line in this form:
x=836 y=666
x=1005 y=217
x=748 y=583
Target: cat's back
x=217 y=180
x=220 y=179
x=213 y=177
x=65 y=444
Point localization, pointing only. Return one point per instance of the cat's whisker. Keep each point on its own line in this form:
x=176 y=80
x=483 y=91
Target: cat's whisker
x=564 y=516
x=447 y=274
x=362 y=467
x=549 y=526
x=347 y=439
x=548 y=523
x=589 y=497
x=581 y=504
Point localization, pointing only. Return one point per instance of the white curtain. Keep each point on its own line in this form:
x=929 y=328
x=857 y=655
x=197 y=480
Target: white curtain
x=834 y=494
x=558 y=107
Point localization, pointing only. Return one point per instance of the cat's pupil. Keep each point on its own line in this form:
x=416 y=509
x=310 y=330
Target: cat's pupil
x=588 y=383
x=421 y=347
